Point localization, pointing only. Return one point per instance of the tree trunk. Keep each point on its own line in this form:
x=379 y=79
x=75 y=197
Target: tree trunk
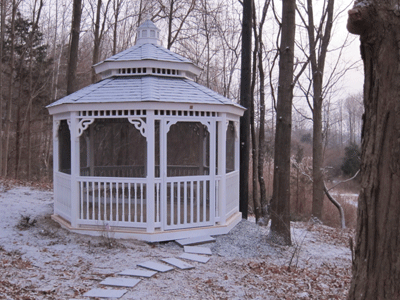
x=73 y=52
x=245 y=98
x=2 y=28
x=317 y=59
x=96 y=47
x=10 y=93
x=376 y=268
x=255 y=151
x=280 y=206
x=261 y=137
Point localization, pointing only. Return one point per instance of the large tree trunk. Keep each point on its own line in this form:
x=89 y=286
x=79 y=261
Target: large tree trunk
x=280 y=206
x=376 y=269
x=245 y=98
x=2 y=28
x=73 y=52
x=317 y=59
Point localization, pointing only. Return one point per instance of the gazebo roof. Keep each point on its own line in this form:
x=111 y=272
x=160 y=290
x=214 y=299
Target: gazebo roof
x=146 y=72
x=143 y=89
x=147 y=51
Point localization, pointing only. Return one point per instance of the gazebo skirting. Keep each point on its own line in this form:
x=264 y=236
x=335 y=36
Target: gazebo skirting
x=150 y=209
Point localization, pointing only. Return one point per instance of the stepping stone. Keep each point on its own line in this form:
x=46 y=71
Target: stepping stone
x=138 y=273
x=195 y=257
x=155 y=266
x=178 y=263
x=103 y=293
x=198 y=250
x=195 y=240
x=125 y=282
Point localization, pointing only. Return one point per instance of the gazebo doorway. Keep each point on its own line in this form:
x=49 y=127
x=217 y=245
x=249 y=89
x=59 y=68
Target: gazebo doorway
x=189 y=178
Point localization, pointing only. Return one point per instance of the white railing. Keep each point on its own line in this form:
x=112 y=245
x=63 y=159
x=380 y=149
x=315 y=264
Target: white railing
x=62 y=195
x=232 y=193
x=189 y=202
x=116 y=202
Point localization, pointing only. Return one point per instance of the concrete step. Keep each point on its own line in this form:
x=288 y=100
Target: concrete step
x=195 y=240
x=122 y=282
x=177 y=263
x=137 y=273
x=197 y=250
x=195 y=257
x=105 y=293
x=155 y=266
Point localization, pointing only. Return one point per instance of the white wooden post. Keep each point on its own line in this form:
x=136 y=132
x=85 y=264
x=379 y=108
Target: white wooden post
x=74 y=169
x=213 y=153
x=150 y=136
x=56 y=159
x=222 y=127
x=163 y=173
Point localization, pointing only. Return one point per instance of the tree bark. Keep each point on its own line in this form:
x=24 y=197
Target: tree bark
x=280 y=206
x=10 y=93
x=2 y=28
x=96 y=47
x=73 y=52
x=245 y=98
x=317 y=59
x=376 y=268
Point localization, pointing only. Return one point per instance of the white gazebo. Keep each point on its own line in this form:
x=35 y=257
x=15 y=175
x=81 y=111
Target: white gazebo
x=146 y=152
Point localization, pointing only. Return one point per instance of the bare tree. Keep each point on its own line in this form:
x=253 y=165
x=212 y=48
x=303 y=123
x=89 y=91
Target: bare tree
x=2 y=28
x=98 y=33
x=74 y=47
x=376 y=267
x=10 y=91
x=245 y=99
x=318 y=38
x=280 y=206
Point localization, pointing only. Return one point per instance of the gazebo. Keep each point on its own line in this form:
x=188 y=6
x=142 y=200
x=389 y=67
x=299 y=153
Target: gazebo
x=146 y=152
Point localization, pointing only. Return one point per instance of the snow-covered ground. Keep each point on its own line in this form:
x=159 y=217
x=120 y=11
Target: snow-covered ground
x=44 y=261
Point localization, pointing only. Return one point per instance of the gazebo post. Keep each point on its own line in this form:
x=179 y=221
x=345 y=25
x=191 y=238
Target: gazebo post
x=222 y=168
x=74 y=169
x=150 y=166
x=91 y=150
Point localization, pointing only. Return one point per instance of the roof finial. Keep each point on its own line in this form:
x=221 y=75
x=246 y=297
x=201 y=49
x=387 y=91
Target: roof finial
x=148 y=33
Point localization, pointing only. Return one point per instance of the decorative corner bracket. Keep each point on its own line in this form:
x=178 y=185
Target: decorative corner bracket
x=83 y=125
x=139 y=125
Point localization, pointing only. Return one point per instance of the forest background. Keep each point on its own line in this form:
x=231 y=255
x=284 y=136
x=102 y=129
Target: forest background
x=35 y=47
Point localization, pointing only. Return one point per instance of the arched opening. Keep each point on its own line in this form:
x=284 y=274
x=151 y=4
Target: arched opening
x=113 y=148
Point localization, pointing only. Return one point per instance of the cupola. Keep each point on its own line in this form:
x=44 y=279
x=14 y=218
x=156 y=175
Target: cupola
x=147 y=57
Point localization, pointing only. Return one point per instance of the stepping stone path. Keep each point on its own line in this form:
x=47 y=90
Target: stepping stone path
x=125 y=282
x=178 y=263
x=138 y=273
x=190 y=253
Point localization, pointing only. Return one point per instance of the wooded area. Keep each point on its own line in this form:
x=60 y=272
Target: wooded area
x=291 y=74
x=48 y=48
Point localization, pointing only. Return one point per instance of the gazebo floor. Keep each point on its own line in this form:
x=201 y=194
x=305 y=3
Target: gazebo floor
x=157 y=236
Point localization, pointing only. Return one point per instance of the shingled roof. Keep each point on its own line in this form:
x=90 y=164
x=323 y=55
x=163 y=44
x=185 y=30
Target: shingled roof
x=146 y=72
x=145 y=89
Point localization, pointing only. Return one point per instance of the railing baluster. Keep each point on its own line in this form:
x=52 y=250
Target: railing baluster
x=135 y=191
x=129 y=203
x=81 y=186
x=197 y=200
x=178 y=202
x=141 y=202
x=87 y=199
x=172 y=203
x=185 y=202
x=123 y=202
x=111 y=200
x=99 y=201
